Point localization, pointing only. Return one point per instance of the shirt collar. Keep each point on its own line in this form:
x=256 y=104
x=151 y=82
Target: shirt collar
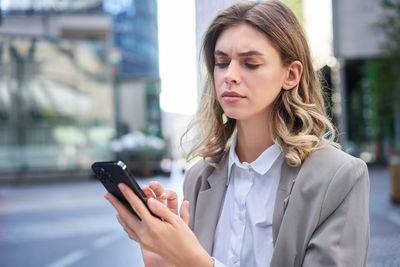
x=261 y=165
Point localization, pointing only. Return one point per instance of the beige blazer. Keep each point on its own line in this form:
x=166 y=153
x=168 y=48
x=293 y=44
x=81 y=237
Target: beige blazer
x=321 y=214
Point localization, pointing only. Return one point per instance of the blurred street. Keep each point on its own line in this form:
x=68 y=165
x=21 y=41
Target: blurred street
x=71 y=224
x=385 y=222
x=66 y=224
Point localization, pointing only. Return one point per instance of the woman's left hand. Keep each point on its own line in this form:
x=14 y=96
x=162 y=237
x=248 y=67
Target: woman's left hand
x=170 y=237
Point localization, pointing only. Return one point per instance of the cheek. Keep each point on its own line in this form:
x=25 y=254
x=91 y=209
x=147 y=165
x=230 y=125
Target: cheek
x=259 y=82
x=269 y=89
x=273 y=80
x=218 y=83
x=217 y=78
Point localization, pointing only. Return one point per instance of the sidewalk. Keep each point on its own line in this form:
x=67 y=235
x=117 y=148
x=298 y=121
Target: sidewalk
x=385 y=221
x=43 y=176
x=384 y=216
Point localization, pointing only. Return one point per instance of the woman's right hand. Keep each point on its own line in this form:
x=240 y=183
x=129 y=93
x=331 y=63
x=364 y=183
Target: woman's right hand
x=170 y=199
x=169 y=237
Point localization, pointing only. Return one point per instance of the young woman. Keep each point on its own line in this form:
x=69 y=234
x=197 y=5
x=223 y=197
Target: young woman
x=272 y=190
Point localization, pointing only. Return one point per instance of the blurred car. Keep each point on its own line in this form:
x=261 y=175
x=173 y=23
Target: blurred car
x=144 y=154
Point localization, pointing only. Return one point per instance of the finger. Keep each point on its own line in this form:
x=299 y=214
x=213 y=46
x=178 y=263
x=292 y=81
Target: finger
x=147 y=191
x=129 y=231
x=161 y=211
x=172 y=200
x=157 y=188
x=121 y=222
x=137 y=204
x=184 y=212
x=129 y=218
x=150 y=193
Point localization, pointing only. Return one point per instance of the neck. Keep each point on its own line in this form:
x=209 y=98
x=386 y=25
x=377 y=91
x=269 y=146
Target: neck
x=253 y=138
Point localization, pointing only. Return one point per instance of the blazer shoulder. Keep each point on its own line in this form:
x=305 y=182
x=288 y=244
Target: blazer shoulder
x=329 y=167
x=330 y=174
x=332 y=159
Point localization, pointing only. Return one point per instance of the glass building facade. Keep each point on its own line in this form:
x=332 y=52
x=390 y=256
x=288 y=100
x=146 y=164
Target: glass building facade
x=135 y=34
x=57 y=95
x=56 y=108
x=134 y=40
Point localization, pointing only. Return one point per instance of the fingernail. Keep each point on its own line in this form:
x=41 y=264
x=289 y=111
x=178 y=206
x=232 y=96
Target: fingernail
x=106 y=196
x=121 y=187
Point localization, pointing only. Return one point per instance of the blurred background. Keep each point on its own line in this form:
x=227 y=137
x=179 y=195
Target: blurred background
x=95 y=80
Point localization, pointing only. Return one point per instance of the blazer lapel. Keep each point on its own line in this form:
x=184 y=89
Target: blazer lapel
x=286 y=183
x=209 y=204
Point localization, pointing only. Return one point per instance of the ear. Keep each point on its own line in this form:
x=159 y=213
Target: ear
x=293 y=75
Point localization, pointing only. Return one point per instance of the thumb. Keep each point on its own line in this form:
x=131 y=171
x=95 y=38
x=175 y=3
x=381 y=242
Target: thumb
x=184 y=212
x=160 y=210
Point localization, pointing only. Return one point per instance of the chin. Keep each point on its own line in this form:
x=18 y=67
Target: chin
x=233 y=115
x=237 y=113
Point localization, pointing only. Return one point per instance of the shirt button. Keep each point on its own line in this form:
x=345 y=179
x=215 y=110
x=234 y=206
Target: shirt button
x=235 y=259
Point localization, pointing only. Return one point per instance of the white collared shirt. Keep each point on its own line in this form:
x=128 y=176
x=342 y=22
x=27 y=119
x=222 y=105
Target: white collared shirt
x=243 y=235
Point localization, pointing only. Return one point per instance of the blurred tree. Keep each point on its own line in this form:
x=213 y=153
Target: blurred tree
x=382 y=83
x=385 y=84
x=297 y=8
x=390 y=25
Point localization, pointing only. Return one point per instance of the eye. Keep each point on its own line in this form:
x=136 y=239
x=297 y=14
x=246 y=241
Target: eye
x=252 y=66
x=221 y=61
x=251 y=63
x=221 y=65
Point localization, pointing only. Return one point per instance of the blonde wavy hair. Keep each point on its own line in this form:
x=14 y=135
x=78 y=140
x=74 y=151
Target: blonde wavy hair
x=299 y=118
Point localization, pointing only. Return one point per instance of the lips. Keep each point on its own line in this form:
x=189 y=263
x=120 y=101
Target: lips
x=232 y=94
x=231 y=97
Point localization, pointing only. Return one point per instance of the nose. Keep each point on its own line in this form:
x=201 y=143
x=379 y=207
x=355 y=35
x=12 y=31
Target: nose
x=232 y=74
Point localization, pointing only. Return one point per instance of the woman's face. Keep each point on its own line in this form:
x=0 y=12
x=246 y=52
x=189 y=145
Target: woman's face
x=248 y=72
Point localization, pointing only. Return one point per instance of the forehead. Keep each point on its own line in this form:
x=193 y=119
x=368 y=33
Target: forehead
x=241 y=38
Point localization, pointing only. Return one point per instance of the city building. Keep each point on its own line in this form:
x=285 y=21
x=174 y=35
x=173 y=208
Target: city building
x=367 y=113
x=74 y=75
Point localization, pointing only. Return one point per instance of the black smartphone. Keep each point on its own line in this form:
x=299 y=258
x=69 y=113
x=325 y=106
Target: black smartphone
x=112 y=173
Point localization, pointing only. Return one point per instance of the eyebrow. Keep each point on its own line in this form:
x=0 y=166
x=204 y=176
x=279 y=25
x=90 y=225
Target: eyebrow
x=243 y=54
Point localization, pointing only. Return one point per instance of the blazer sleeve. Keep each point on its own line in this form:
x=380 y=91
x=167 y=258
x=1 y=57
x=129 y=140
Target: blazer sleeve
x=342 y=235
